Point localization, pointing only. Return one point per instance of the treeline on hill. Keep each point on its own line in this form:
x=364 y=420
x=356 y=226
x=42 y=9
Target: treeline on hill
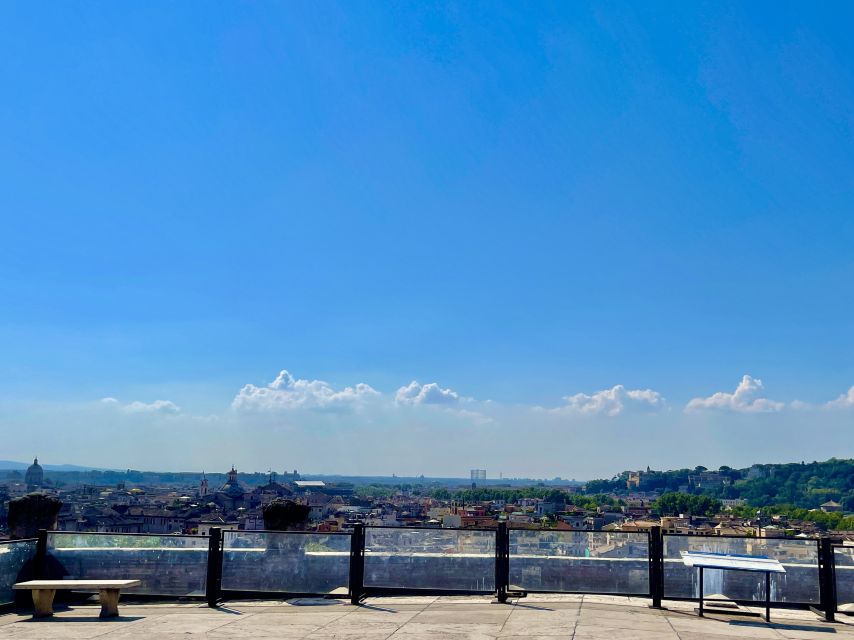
x=471 y=496
x=514 y=495
x=675 y=504
x=834 y=521
x=99 y=477
x=671 y=503
x=800 y=485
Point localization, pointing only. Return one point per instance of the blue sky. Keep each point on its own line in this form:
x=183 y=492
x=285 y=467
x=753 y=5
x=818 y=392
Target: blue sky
x=517 y=202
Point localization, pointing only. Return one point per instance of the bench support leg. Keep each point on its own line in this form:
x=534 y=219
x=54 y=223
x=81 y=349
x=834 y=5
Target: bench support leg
x=109 y=603
x=43 y=602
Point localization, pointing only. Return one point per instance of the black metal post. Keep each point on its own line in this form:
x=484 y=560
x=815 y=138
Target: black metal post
x=40 y=564
x=767 y=596
x=357 y=564
x=826 y=580
x=701 y=592
x=213 y=588
x=656 y=567
x=502 y=562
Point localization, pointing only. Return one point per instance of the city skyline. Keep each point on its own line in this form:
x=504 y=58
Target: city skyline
x=489 y=478
x=552 y=240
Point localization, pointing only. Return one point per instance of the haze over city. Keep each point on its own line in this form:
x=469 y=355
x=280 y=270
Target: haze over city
x=544 y=240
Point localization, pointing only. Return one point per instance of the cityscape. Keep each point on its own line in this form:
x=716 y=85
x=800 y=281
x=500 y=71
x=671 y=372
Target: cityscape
x=815 y=500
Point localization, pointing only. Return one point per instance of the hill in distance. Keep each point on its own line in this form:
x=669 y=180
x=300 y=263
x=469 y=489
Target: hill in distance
x=10 y=465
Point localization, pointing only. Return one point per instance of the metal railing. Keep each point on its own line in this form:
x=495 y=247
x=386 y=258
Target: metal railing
x=429 y=559
x=604 y=562
x=167 y=565
x=797 y=586
x=408 y=560
x=285 y=562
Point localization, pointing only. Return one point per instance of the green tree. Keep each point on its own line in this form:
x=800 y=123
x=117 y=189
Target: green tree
x=673 y=504
x=284 y=515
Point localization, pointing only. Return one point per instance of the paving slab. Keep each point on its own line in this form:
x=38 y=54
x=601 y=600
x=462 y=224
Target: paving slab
x=720 y=627
x=537 y=637
x=345 y=629
x=448 y=615
x=374 y=615
x=621 y=634
x=284 y=631
x=416 y=631
x=418 y=618
x=171 y=623
x=401 y=600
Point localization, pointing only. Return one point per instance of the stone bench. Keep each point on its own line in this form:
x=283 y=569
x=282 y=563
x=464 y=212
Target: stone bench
x=44 y=590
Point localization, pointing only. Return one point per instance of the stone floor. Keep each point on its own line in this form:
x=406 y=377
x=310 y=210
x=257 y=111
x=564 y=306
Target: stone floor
x=546 y=617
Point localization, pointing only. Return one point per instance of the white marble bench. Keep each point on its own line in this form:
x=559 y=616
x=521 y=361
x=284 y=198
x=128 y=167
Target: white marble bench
x=44 y=590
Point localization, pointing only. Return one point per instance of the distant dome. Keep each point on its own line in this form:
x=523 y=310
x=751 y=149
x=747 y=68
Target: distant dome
x=35 y=475
x=232 y=487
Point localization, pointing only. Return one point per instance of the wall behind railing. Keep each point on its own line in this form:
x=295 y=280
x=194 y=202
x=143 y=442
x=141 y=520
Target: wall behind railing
x=166 y=565
x=432 y=559
x=580 y=561
x=799 y=558
x=16 y=565
x=844 y=574
x=285 y=562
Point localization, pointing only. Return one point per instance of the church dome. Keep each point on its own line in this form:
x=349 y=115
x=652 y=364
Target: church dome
x=232 y=487
x=35 y=475
x=233 y=490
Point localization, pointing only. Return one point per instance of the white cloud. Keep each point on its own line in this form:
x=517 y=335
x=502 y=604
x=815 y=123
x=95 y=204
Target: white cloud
x=287 y=392
x=743 y=400
x=430 y=393
x=158 y=406
x=166 y=407
x=441 y=399
x=845 y=401
x=610 y=402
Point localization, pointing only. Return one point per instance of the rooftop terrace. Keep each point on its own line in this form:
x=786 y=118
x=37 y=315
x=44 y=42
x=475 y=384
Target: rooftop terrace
x=424 y=582
x=538 y=616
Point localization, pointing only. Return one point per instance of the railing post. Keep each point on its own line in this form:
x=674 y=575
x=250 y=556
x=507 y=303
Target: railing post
x=826 y=580
x=656 y=567
x=357 y=564
x=502 y=562
x=40 y=564
x=213 y=588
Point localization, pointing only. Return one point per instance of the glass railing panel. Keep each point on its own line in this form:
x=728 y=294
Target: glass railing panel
x=579 y=561
x=166 y=565
x=437 y=559
x=16 y=560
x=316 y=563
x=843 y=558
x=799 y=558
